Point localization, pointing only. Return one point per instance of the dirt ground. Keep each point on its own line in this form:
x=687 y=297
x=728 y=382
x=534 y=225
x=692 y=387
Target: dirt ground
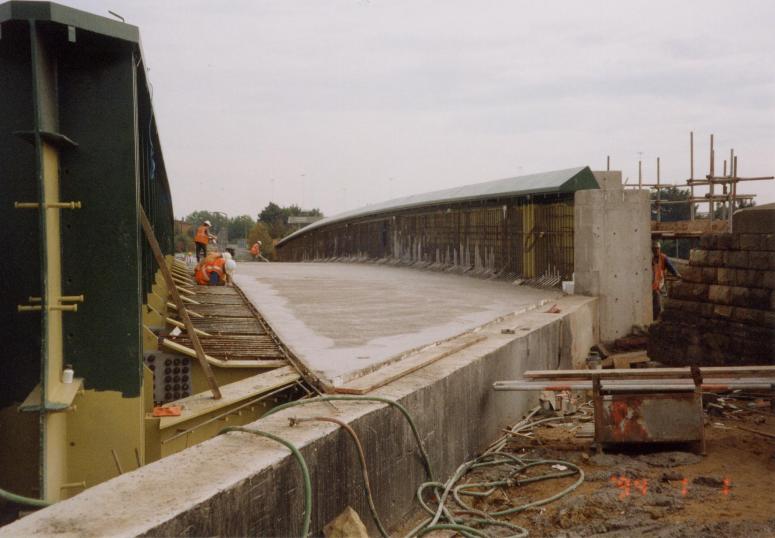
x=660 y=491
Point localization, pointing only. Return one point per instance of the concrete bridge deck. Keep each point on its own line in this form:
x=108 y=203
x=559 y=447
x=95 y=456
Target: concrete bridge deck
x=243 y=485
x=345 y=319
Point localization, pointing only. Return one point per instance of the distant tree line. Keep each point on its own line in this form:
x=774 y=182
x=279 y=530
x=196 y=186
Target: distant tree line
x=269 y=226
x=676 y=212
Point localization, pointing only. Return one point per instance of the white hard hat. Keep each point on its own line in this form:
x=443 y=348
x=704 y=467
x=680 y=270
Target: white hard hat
x=208 y=223
x=227 y=255
x=260 y=243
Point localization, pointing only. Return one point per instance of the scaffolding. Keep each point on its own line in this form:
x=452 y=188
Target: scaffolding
x=728 y=199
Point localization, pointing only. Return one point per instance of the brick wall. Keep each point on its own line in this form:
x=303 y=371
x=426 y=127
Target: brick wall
x=722 y=312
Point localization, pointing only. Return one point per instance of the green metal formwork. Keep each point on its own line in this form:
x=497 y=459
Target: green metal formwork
x=20 y=277
x=73 y=85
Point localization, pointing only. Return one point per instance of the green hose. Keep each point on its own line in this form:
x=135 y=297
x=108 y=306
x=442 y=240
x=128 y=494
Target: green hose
x=364 y=467
x=463 y=529
x=539 y=502
x=302 y=464
x=401 y=408
x=464 y=526
x=20 y=499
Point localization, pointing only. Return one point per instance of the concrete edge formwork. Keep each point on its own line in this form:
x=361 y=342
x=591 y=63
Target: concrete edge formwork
x=239 y=484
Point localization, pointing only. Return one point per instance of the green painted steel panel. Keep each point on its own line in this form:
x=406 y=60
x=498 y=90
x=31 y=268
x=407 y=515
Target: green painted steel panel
x=67 y=16
x=20 y=277
x=97 y=96
x=101 y=241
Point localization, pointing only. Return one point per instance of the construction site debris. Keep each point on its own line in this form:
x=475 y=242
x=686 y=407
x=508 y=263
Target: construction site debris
x=631 y=342
x=643 y=492
x=346 y=525
x=168 y=411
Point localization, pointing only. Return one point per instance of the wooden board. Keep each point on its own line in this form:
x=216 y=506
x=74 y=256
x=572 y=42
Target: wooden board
x=239 y=391
x=624 y=360
x=706 y=371
x=407 y=365
x=199 y=354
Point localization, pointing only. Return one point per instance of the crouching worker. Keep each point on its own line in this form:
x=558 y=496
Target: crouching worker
x=210 y=270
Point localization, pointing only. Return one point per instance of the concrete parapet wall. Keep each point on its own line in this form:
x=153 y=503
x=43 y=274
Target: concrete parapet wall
x=612 y=255
x=240 y=484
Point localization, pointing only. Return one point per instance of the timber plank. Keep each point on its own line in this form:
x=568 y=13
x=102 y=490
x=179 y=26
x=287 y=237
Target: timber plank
x=405 y=366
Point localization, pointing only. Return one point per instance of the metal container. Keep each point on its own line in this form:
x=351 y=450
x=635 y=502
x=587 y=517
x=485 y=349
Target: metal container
x=674 y=417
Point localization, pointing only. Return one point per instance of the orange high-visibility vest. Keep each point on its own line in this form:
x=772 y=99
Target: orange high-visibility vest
x=659 y=272
x=218 y=266
x=200 y=275
x=212 y=263
x=202 y=236
x=255 y=249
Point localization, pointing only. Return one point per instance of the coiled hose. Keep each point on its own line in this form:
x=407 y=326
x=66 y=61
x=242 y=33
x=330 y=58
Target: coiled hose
x=450 y=521
x=494 y=458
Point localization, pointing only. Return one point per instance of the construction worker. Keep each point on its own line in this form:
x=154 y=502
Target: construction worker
x=202 y=239
x=230 y=267
x=255 y=250
x=659 y=264
x=210 y=270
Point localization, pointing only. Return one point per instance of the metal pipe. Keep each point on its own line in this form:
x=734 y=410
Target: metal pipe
x=712 y=174
x=49 y=205
x=63 y=307
x=734 y=191
x=619 y=387
x=691 y=173
x=659 y=194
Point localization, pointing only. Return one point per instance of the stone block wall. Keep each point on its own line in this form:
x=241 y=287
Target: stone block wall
x=722 y=311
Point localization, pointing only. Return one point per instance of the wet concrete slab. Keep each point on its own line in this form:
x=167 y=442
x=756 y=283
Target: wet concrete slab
x=345 y=319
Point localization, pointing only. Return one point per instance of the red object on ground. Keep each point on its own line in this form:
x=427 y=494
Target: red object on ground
x=171 y=411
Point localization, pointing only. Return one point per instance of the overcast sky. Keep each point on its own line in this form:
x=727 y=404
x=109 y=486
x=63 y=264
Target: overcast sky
x=341 y=103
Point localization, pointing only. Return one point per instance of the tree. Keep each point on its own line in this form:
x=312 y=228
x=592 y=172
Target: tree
x=672 y=212
x=184 y=242
x=218 y=220
x=273 y=216
x=721 y=211
x=240 y=226
x=276 y=217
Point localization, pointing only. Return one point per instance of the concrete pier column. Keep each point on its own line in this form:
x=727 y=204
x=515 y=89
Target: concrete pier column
x=612 y=254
